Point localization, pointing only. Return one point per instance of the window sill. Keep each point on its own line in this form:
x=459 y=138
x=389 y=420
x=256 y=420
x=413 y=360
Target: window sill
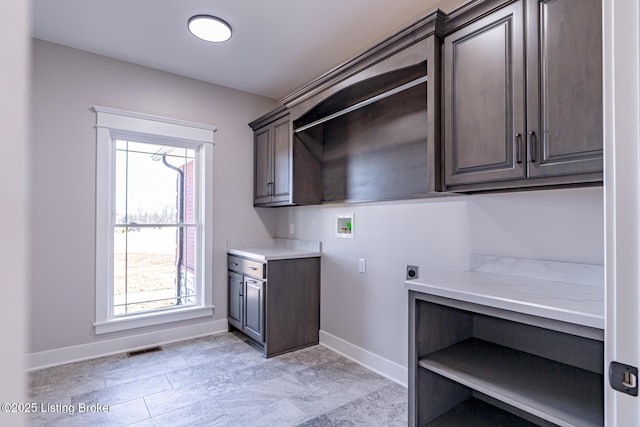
x=151 y=319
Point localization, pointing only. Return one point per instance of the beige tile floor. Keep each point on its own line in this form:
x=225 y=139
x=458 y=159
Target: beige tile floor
x=218 y=380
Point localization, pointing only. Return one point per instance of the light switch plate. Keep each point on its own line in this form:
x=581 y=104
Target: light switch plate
x=362 y=265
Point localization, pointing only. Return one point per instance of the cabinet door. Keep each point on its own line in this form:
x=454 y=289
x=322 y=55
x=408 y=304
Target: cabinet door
x=254 y=308
x=484 y=99
x=263 y=163
x=281 y=160
x=564 y=60
x=236 y=299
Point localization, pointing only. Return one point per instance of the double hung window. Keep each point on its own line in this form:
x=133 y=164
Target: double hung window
x=153 y=218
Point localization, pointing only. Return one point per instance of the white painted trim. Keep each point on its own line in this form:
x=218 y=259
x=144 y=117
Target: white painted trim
x=105 y=169
x=76 y=353
x=130 y=121
x=111 y=122
x=206 y=207
x=621 y=74
x=385 y=367
x=151 y=319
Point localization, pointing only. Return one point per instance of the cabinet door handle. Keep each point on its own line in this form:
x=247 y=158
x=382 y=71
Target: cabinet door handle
x=240 y=289
x=532 y=146
x=269 y=188
x=518 y=148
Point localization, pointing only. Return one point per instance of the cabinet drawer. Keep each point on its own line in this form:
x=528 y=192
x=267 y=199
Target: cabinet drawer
x=247 y=267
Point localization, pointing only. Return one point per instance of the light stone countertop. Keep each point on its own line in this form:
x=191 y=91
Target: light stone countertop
x=274 y=249
x=577 y=303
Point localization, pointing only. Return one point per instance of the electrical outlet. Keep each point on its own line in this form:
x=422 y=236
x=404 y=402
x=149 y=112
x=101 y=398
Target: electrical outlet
x=362 y=265
x=292 y=228
x=412 y=272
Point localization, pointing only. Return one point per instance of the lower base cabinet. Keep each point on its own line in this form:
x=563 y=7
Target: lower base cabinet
x=254 y=308
x=473 y=365
x=275 y=303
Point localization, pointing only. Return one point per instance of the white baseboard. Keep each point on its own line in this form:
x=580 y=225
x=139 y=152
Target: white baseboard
x=378 y=364
x=61 y=356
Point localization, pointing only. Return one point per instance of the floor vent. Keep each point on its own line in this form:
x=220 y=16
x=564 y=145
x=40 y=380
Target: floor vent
x=144 y=351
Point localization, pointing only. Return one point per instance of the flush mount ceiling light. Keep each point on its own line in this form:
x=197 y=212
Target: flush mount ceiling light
x=209 y=28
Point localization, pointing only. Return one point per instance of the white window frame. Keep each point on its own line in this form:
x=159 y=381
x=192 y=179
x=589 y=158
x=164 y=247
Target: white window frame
x=112 y=124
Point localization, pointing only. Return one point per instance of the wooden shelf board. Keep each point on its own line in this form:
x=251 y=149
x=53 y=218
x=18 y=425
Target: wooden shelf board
x=559 y=393
x=476 y=413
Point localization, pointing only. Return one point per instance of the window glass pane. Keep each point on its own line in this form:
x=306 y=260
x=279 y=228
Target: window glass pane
x=155 y=184
x=190 y=192
x=121 y=144
x=119 y=266
x=188 y=266
x=121 y=188
x=154 y=262
x=148 y=261
x=151 y=190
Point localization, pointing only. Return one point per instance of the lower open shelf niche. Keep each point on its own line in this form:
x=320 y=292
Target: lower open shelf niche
x=469 y=357
x=556 y=392
x=474 y=412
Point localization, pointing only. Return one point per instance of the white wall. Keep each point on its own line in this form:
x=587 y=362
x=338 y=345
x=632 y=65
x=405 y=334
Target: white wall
x=370 y=310
x=66 y=83
x=561 y=225
x=14 y=213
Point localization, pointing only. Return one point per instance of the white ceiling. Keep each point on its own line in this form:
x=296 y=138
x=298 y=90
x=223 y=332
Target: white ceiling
x=277 y=45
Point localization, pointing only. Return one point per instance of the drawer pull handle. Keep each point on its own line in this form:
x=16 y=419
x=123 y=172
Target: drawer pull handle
x=253 y=268
x=234 y=263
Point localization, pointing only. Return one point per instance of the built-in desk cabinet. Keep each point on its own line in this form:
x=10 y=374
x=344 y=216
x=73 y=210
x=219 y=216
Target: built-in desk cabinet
x=523 y=96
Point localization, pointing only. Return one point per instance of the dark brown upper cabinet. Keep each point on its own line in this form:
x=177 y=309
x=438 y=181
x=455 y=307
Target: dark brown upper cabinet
x=516 y=86
x=367 y=130
x=285 y=172
x=272 y=162
x=523 y=96
x=564 y=87
x=485 y=99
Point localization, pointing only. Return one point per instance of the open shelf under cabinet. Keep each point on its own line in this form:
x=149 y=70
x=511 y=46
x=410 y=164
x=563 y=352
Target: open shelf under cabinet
x=561 y=394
